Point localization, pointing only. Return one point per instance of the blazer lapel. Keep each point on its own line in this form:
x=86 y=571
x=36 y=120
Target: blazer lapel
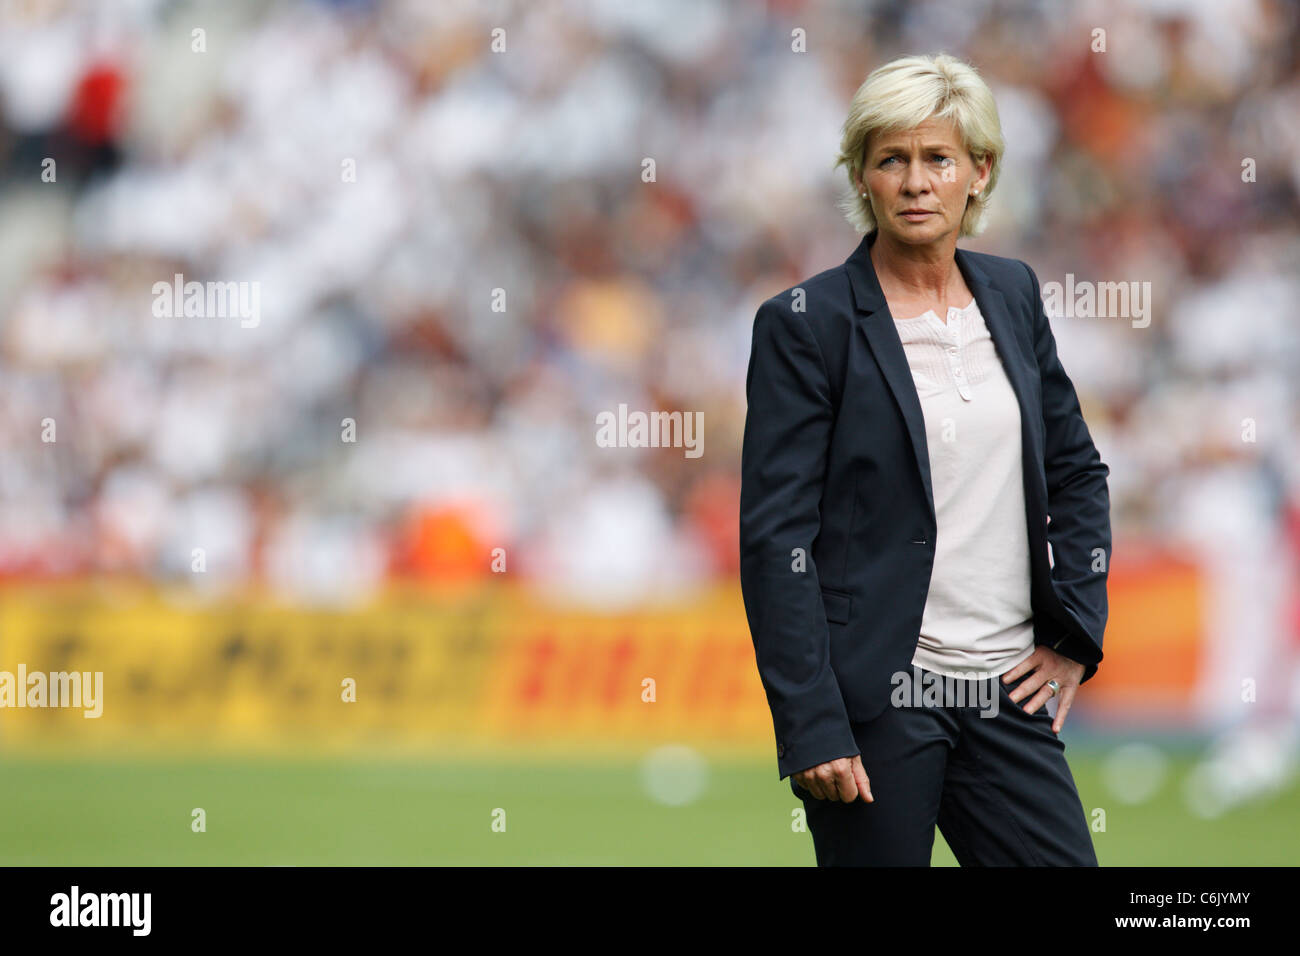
x=877 y=325
x=1015 y=348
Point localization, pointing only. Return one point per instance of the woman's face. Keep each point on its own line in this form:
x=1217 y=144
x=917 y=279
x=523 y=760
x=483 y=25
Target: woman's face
x=927 y=168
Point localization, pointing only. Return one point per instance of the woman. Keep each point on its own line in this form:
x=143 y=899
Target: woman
x=910 y=428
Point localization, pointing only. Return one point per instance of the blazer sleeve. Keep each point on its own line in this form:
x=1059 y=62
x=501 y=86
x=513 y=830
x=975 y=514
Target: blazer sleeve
x=1078 y=502
x=783 y=463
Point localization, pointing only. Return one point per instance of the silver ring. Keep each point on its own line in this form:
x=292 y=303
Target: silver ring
x=1054 y=687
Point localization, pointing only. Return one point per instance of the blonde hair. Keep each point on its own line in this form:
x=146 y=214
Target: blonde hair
x=901 y=95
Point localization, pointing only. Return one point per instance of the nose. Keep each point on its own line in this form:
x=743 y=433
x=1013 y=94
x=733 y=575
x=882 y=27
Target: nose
x=916 y=182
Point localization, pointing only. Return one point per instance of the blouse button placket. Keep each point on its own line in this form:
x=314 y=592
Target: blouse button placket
x=954 y=354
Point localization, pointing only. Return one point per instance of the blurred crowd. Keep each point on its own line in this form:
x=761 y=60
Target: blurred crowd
x=476 y=226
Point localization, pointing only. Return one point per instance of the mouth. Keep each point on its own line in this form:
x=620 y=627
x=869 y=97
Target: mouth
x=915 y=215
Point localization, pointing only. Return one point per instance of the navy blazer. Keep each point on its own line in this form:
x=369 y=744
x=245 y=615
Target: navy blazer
x=837 y=521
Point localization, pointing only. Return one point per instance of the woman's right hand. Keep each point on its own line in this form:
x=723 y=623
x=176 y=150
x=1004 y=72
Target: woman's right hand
x=839 y=780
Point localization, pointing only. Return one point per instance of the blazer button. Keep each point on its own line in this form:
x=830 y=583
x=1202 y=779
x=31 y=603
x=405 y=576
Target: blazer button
x=780 y=750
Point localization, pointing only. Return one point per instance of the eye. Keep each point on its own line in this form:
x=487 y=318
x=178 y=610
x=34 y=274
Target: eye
x=945 y=160
x=888 y=160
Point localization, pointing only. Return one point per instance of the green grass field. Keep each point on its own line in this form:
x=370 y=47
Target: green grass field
x=137 y=811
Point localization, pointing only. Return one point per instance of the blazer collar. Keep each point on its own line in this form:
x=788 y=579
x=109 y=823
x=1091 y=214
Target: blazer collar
x=1013 y=347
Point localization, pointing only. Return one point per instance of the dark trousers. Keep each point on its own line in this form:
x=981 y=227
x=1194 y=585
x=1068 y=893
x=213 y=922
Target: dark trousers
x=998 y=788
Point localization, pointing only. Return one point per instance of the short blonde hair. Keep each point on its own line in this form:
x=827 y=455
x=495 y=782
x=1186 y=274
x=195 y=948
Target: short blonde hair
x=901 y=95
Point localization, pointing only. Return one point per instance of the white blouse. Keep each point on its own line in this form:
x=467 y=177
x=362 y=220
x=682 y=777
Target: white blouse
x=978 y=619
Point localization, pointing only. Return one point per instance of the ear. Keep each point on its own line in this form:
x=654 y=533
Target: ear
x=861 y=181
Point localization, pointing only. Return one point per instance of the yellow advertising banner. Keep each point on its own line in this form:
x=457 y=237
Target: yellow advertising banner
x=100 y=665
x=454 y=668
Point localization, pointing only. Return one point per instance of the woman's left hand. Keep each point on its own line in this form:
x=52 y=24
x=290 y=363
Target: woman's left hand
x=1041 y=666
